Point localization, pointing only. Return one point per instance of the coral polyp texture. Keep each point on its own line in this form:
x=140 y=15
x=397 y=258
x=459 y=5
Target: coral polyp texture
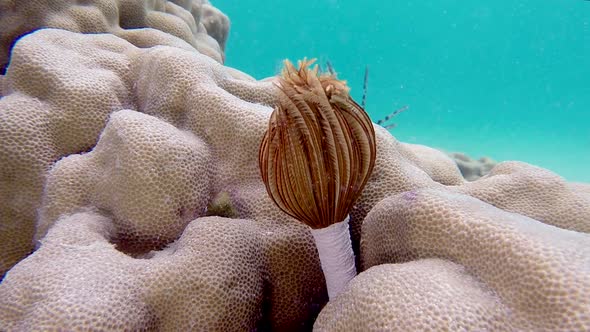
x=173 y=171
x=214 y=261
x=116 y=154
x=189 y=24
x=523 y=275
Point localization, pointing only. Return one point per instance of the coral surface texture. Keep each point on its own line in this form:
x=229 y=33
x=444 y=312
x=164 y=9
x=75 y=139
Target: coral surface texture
x=131 y=199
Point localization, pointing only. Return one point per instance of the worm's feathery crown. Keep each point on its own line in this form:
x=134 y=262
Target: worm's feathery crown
x=319 y=149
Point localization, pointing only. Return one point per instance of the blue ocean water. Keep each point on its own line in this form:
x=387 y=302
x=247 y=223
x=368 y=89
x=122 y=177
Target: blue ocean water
x=507 y=79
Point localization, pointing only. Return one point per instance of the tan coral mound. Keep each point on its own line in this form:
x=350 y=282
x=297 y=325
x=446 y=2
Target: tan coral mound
x=511 y=186
x=189 y=24
x=72 y=137
x=519 y=274
x=100 y=288
x=579 y=187
x=423 y=295
x=149 y=174
x=216 y=277
x=534 y=192
x=152 y=198
x=46 y=117
x=440 y=167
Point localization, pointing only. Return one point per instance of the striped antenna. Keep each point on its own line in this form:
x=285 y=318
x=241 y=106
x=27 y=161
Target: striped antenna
x=387 y=118
x=365 y=86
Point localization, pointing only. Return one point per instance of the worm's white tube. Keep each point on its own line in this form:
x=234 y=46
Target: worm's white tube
x=336 y=255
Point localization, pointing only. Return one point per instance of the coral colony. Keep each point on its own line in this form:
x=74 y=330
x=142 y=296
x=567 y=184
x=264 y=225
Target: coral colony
x=131 y=195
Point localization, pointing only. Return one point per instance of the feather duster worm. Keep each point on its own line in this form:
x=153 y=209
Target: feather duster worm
x=316 y=158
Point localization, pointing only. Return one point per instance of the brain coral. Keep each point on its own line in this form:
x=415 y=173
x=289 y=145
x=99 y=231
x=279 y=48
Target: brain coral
x=113 y=149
